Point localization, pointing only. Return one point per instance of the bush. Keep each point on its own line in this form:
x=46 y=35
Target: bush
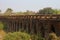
x=17 y=36
x=37 y=37
x=53 y=36
x=1 y=26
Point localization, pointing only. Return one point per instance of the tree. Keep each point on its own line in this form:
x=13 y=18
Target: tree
x=29 y=13
x=0 y=11
x=8 y=11
x=47 y=10
x=56 y=11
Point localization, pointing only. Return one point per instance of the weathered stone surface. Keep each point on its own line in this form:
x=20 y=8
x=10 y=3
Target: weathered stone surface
x=32 y=23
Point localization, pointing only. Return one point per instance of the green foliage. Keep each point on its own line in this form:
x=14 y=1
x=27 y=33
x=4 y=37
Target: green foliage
x=37 y=37
x=47 y=10
x=1 y=26
x=17 y=36
x=0 y=10
x=56 y=11
x=8 y=11
x=25 y=13
x=22 y=36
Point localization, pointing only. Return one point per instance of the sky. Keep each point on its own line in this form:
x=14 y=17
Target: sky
x=32 y=5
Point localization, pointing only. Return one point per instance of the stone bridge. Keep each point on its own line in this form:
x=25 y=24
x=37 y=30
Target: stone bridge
x=32 y=24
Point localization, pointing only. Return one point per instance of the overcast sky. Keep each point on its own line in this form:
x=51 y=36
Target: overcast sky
x=34 y=5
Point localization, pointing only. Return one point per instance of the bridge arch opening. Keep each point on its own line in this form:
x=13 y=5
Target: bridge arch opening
x=52 y=28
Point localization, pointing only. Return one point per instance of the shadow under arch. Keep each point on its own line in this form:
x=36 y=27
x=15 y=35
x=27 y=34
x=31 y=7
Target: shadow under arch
x=53 y=28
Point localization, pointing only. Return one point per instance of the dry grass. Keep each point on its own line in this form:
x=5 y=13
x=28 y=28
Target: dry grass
x=2 y=34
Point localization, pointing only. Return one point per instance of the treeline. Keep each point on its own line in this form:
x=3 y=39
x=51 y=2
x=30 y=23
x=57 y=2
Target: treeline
x=47 y=10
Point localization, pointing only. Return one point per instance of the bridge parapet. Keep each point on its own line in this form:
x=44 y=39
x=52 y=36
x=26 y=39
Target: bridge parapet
x=41 y=17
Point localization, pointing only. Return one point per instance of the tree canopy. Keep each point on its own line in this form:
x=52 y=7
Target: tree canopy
x=47 y=10
x=8 y=11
